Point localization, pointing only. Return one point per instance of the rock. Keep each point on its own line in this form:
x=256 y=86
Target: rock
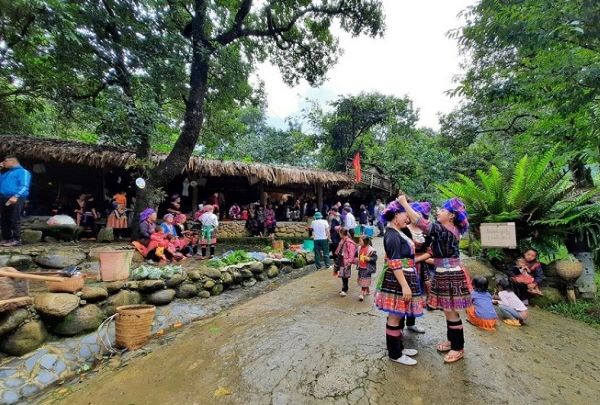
x=208 y=284
x=249 y=283
x=55 y=304
x=90 y=268
x=186 y=291
x=227 y=278
x=11 y=320
x=310 y=258
x=246 y=274
x=272 y=271
x=50 y=239
x=94 y=294
x=299 y=262
x=217 y=289
x=477 y=267
x=4 y=260
x=147 y=286
x=123 y=297
x=137 y=257
x=215 y=274
x=194 y=275
x=59 y=259
x=83 y=319
x=132 y=285
x=204 y=294
x=162 y=297
x=25 y=339
x=20 y=262
x=175 y=280
x=261 y=277
x=105 y=235
x=287 y=269
x=114 y=287
x=267 y=262
x=551 y=296
x=29 y=236
x=236 y=275
x=257 y=267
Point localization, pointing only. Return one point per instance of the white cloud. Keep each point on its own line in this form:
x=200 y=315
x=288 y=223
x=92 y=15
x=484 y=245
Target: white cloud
x=415 y=58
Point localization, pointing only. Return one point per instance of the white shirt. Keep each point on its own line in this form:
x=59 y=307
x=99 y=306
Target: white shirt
x=209 y=219
x=511 y=300
x=319 y=228
x=349 y=221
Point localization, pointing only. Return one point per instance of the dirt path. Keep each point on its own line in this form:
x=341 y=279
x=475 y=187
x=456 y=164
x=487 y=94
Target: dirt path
x=303 y=344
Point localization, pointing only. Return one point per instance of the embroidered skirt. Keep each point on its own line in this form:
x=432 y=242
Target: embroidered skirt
x=389 y=294
x=485 y=324
x=208 y=236
x=450 y=289
x=345 y=271
x=364 y=278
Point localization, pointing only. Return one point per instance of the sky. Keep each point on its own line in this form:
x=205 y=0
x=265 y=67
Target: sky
x=414 y=58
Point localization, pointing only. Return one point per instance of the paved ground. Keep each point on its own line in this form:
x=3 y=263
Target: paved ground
x=303 y=344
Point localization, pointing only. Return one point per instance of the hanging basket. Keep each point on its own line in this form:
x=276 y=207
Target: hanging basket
x=133 y=326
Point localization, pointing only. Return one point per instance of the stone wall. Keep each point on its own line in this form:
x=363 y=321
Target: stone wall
x=237 y=229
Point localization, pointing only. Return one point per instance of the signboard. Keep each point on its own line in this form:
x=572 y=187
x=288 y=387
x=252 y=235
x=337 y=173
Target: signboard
x=500 y=235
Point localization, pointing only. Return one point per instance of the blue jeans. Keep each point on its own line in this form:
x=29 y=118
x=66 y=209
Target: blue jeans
x=510 y=313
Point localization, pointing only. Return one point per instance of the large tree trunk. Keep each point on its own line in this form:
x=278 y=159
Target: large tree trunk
x=176 y=162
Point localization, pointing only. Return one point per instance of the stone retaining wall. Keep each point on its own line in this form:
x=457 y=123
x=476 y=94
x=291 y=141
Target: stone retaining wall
x=237 y=229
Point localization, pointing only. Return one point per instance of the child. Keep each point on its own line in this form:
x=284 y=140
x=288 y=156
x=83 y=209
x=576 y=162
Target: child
x=210 y=223
x=511 y=307
x=367 y=261
x=159 y=247
x=117 y=220
x=482 y=313
x=346 y=257
x=527 y=275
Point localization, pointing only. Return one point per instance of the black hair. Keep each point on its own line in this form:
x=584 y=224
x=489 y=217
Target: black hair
x=504 y=284
x=533 y=250
x=343 y=232
x=158 y=228
x=367 y=240
x=389 y=215
x=480 y=284
x=348 y=209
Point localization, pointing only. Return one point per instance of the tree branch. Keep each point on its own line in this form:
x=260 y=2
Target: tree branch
x=510 y=126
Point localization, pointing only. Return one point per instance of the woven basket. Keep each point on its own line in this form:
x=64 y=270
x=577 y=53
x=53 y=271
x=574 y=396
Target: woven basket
x=133 y=326
x=568 y=270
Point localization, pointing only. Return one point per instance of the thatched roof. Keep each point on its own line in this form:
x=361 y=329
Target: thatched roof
x=102 y=156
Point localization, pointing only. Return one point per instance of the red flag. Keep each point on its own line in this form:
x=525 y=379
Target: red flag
x=356 y=165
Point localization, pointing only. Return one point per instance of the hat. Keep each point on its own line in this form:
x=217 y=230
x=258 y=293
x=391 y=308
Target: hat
x=167 y=216
x=457 y=207
x=144 y=215
x=318 y=215
x=422 y=207
x=393 y=207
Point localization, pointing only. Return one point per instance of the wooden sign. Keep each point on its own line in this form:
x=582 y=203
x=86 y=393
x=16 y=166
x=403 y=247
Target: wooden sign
x=500 y=235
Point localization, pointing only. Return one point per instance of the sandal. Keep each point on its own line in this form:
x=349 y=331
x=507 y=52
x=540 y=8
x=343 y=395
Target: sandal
x=443 y=346
x=454 y=356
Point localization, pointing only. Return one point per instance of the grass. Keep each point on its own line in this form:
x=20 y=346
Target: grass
x=587 y=311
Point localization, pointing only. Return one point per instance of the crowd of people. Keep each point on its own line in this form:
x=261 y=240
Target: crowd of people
x=422 y=270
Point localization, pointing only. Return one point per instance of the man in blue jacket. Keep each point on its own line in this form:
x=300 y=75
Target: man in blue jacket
x=14 y=190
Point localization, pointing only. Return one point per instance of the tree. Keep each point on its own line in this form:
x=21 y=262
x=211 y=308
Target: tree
x=355 y=121
x=196 y=54
x=532 y=75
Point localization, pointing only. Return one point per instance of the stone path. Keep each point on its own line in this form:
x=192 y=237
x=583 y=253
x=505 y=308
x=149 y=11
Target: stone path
x=22 y=377
x=303 y=344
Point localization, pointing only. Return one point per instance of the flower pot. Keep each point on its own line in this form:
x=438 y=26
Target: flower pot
x=115 y=264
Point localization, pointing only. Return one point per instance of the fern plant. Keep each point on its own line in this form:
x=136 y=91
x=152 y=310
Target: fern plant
x=539 y=196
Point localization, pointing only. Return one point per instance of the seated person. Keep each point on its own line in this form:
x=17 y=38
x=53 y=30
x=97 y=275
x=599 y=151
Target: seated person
x=482 y=313
x=527 y=275
x=189 y=238
x=512 y=309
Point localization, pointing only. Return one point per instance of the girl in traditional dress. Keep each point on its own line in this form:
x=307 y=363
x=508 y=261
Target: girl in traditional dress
x=117 y=220
x=270 y=220
x=346 y=257
x=450 y=287
x=188 y=239
x=367 y=262
x=210 y=223
x=398 y=290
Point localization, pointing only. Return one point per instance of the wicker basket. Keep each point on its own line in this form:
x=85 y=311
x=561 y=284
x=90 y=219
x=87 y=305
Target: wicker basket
x=68 y=284
x=568 y=270
x=133 y=325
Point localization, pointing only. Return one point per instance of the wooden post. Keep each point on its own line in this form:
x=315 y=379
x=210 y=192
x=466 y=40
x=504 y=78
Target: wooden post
x=195 y=198
x=262 y=195
x=320 y=197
